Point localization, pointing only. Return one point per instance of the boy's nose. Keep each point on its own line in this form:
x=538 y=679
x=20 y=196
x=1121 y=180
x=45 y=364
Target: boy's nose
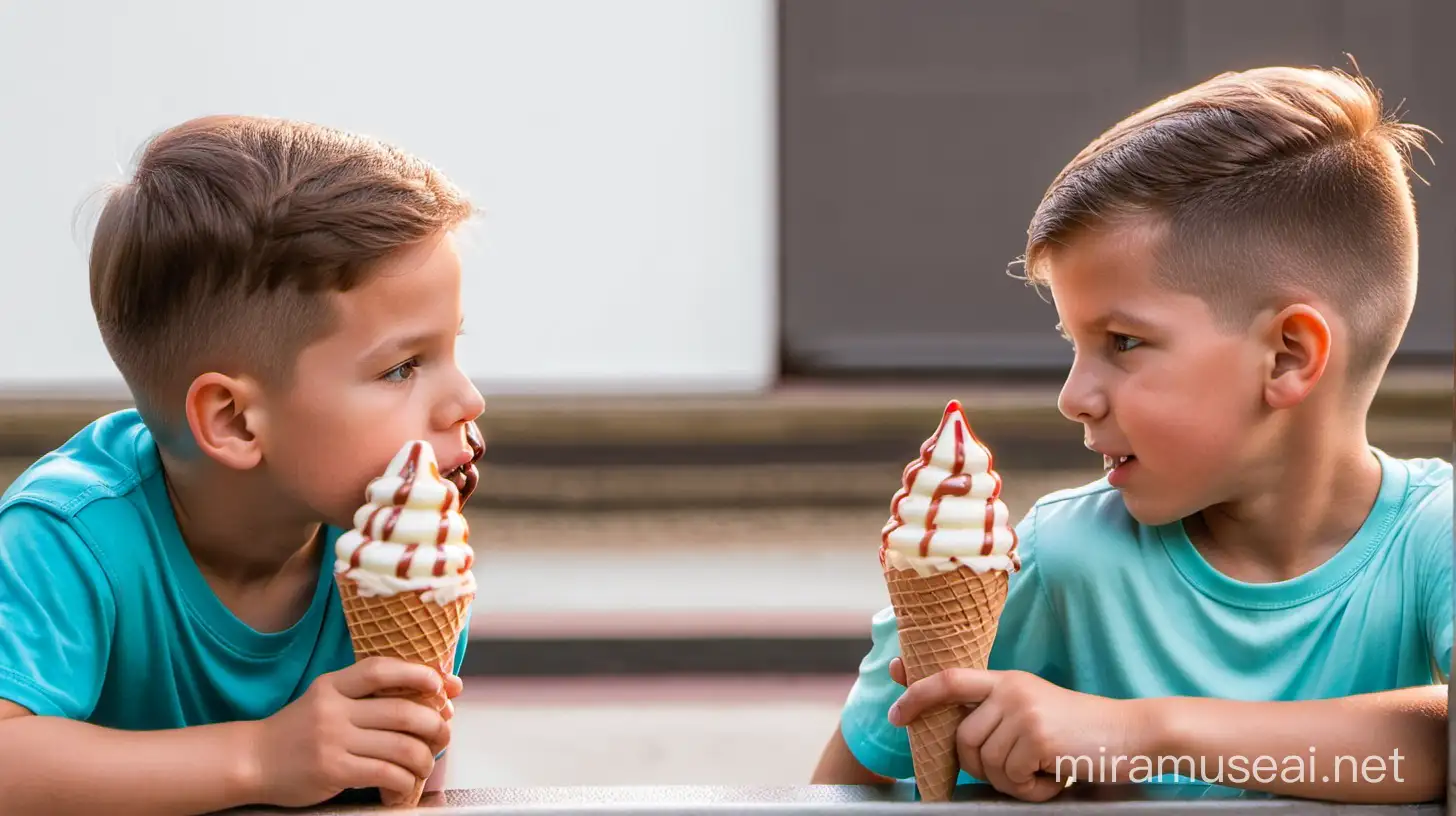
x=473 y=404
x=463 y=403
x=1081 y=400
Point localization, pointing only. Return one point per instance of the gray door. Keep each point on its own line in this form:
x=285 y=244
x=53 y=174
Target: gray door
x=919 y=135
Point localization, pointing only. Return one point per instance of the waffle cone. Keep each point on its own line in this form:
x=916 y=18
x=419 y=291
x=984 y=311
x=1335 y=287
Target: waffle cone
x=410 y=629
x=946 y=620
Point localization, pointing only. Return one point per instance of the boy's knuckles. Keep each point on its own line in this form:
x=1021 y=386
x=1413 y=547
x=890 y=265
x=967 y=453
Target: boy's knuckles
x=416 y=719
x=441 y=740
x=1038 y=734
x=1017 y=689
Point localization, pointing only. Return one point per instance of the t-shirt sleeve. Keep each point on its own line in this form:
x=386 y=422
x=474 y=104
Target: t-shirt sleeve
x=56 y=615
x=865 y=721
x=463 y=640
x=1436 y=587
x=1027 y=638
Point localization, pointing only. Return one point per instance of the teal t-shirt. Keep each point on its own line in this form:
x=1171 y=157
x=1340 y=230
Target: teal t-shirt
x=105 y=617
x=1107 y=606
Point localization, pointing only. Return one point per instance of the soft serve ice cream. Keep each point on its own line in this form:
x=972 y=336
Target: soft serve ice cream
x=947 y=554
x=948 y=512
x=409 y=536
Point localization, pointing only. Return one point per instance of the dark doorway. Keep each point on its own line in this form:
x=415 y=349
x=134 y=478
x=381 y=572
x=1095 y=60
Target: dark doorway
x=918 y=136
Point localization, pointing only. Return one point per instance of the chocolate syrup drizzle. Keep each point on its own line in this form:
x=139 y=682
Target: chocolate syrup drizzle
x=401 y=496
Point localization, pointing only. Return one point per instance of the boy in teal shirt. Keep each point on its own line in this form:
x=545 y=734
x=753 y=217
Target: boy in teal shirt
x=1253 y=596
x=283 y=301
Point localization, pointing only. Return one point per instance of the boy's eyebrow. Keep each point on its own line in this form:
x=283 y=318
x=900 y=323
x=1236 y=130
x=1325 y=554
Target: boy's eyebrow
x=1122 y=318
x=1118 y=317
x=396 y=345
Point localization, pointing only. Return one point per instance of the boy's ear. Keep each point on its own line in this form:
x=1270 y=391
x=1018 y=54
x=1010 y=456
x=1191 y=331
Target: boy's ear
x=219 y=412
x=1299 y=350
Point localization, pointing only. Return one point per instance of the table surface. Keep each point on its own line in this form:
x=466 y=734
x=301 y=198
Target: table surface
x=834 y=799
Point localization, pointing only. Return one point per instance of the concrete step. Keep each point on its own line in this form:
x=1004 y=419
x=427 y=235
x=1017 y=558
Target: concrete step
x=804 y=443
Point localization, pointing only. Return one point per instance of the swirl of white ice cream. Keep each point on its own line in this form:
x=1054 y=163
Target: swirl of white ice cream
x=409 y=536
x=948 y=512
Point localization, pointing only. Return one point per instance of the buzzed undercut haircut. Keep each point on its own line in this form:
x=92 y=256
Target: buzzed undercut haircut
x=220 y=252
x=1268 y=186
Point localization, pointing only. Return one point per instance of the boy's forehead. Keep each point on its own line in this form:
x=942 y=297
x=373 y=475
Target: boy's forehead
x=1105 y=267
x=416 y=292
x=1108 y=277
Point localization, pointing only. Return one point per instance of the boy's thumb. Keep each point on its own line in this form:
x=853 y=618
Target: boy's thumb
x=897 y=670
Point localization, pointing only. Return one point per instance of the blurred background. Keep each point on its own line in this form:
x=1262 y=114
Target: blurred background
x=735 y=257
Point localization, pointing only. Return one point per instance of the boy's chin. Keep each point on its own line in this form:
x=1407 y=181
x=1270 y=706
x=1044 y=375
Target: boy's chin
x=1150 y=512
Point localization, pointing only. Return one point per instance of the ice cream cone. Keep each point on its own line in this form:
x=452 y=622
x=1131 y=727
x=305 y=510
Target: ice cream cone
x=404 y=571
x=947 y=551
x=946 y=620
x=408 y=628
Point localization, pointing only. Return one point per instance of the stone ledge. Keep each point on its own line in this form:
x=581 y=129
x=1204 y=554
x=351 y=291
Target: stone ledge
x=792 y=416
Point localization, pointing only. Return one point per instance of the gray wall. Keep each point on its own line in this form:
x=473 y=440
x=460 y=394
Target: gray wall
x=919 y=135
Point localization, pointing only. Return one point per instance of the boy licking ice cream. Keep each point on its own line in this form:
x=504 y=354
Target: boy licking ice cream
x=283 y=301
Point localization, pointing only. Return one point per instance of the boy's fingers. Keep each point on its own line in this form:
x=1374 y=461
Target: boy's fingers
x=946 y=687
x=993 y=753
x=897 y=671
x=978 y=726
x=453 y=686
x=441 y=740
x=396 y=714
x=1023 y=768
x=366 y=772
x=971 y=735
x=375 y=674
x=403 y=750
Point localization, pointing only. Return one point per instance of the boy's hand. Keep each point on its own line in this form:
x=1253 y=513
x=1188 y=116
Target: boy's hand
x=1025 y=735
x=337 y=737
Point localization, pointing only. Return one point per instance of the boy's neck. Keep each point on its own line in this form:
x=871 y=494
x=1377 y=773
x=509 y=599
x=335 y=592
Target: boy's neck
x=232 y=532
x=1306 y=499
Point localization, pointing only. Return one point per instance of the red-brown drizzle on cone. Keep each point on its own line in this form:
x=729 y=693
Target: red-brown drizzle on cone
x=957 y=483
x=407 y=474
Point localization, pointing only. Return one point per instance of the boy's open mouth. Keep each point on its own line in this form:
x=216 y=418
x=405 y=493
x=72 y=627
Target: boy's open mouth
x=467 y=476
x=1110 y=462
x=464 y=478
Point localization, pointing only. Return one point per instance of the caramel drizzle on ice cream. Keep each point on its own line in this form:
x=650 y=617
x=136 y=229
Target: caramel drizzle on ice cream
x=957 y=483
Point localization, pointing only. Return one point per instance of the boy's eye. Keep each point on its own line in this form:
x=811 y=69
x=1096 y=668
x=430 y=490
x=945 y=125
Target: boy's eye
x=401 y=372
x=1122 y=342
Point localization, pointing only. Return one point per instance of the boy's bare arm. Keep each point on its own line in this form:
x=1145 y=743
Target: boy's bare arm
x=55 y=765
x=338 y=735
x=837 y=766
x=1027 y=737
x=1383 y=747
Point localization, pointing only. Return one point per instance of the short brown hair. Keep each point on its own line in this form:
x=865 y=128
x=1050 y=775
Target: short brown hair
x=1269 y=184
x=216 y=255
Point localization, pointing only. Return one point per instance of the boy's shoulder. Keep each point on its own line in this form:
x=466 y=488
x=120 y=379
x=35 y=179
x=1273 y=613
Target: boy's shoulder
x=1425 y=509
x=1426 y=475
x=1095 y=508
x=1063 y=526
x=108 y=459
